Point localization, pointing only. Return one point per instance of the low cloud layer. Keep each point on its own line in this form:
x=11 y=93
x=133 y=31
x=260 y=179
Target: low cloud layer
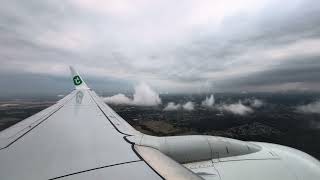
x=143 y=96
x=310 y=108
x=242 y=108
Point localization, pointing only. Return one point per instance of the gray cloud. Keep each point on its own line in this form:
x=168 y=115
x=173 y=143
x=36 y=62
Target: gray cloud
x=300 y=74
x=313 y=107
x=252 y=45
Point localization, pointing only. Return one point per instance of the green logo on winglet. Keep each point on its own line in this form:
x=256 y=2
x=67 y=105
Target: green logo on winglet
x=77 y=80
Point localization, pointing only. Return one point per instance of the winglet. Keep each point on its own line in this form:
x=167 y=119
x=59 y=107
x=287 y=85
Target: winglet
x=77 y=80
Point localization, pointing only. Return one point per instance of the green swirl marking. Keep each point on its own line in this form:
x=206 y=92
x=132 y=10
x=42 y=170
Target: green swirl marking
x=77 y=80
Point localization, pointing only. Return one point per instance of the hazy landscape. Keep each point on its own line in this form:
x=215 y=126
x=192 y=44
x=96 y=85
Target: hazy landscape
x=290 y=119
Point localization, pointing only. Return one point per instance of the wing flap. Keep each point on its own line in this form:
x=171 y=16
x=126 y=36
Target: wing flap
x=165 y=166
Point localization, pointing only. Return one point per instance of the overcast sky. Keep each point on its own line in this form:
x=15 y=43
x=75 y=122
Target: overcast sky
x=174 y=46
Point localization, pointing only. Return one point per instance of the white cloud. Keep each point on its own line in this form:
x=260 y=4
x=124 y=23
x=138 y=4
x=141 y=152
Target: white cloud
x=256 y=103
x=143 y=96
x=75 y=39
x=118 y=99
x=253 y=102
x=209 y=101
x=123 y=7
x=237 y=108
x=8 y=105
x=189 y=106
x=171 y=106
x=310 y=108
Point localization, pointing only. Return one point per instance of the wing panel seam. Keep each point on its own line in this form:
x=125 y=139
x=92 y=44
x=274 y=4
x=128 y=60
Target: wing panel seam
x=79 y=172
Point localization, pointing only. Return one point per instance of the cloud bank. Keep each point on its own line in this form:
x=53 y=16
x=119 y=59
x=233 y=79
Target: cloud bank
x=248 y=45
x=143 y=96
x=310 y=108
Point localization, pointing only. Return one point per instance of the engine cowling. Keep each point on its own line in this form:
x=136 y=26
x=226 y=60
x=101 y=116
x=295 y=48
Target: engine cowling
x=196 y=148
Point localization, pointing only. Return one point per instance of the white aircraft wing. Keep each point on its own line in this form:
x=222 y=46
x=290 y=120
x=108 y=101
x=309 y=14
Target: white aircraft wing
x=79 y=137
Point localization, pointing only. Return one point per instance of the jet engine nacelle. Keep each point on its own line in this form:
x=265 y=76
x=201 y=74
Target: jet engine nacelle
x=196 y=148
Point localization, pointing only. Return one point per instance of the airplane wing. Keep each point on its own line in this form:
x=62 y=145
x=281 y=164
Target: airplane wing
x=80 y=137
